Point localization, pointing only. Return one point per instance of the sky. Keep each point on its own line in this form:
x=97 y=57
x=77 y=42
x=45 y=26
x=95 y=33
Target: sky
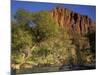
x=38 y=6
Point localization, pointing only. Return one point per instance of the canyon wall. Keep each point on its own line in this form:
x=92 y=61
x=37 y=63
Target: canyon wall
x=73 y=21
x=77 y=25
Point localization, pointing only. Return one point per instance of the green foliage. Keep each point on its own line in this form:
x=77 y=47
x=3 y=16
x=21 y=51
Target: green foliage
x=45 y=26
x=88 y=57
x=20 y=37
x=17 y=58
x=44 y=42
x=92 y=38
x=22 y=16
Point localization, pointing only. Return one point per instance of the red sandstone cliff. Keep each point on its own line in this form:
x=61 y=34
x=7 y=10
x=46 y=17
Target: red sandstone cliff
x=75 y=22
x=77 y=25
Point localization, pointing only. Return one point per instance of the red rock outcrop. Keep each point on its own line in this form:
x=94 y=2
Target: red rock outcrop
x=74 y=22
x=77 y=25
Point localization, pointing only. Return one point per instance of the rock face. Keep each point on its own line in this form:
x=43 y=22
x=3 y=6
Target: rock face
x=74 y=22
x=77 y=25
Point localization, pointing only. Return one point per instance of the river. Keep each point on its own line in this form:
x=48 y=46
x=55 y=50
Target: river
x=53 y=69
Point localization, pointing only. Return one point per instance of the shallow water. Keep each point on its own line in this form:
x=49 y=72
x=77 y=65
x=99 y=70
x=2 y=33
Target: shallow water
x=53 y=69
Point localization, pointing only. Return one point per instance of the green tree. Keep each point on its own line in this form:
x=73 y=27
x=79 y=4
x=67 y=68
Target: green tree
x=40 y=37
x=45 y=26
x=23 y=16
x=21 y=42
